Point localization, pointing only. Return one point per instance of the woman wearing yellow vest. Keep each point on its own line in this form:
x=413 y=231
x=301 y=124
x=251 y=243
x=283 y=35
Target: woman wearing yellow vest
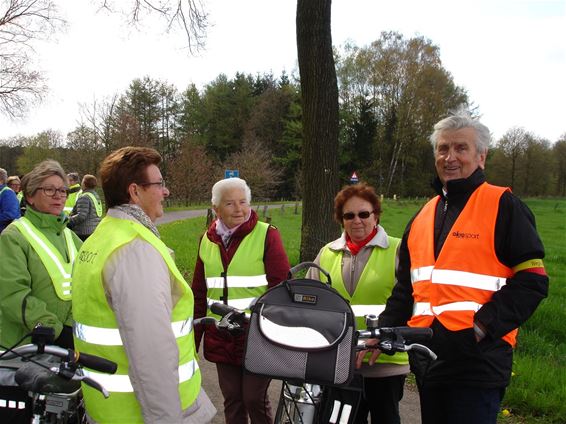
x=239 y=259
x=362 y=265
x=132 y=306
x=37 y=253
x=87 y=212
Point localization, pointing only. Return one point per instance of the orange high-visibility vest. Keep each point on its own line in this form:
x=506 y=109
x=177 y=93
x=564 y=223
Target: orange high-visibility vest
x=466 y=273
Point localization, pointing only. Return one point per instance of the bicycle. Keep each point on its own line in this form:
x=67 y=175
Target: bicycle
x=52 y=377
x=300 y=402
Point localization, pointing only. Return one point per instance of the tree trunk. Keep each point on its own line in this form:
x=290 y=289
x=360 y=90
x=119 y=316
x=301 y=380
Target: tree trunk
x=319 y=91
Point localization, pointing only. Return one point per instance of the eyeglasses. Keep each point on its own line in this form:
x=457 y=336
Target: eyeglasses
x=159 y=183
x=348 y=216
x=50 y=191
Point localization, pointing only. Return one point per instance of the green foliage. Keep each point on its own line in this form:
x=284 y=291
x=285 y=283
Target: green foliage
x=538 y=388
x=393 y=91
x=183 y=238
x=45 y=145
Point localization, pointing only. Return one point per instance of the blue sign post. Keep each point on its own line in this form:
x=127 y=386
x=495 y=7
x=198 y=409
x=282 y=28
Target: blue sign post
x=231 y=173
x=354 y=178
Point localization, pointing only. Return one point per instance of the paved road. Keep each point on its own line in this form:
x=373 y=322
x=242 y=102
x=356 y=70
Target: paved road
x=178 y=215
x=410 y=410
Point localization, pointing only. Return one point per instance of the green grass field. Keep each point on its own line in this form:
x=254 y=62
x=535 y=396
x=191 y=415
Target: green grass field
x=537 y=393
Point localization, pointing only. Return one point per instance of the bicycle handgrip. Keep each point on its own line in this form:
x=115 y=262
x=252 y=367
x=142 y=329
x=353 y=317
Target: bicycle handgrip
x=222 y=309
x=409 y=333
x=96 y=363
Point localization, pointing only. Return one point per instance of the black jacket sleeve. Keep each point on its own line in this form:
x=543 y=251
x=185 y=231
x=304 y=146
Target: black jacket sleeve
x=399 y=306
x=516 y=241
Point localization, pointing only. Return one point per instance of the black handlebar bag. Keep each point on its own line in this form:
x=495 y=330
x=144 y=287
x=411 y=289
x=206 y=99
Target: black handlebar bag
x=302 y=330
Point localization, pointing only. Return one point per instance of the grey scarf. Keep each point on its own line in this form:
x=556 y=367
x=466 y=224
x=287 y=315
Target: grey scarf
x=139 y=215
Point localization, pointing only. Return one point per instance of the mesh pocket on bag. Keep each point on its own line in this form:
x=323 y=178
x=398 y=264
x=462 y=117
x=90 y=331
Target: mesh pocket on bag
x=263 y=357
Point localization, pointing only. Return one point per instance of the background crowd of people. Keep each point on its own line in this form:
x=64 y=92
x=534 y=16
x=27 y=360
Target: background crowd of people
x=469 y=266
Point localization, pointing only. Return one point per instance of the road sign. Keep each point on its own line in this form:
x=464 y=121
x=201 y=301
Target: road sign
x=354 y=178
x=231 y=173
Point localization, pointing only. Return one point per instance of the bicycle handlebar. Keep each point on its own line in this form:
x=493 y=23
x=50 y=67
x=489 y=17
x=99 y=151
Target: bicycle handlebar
x=68 y=356
x=90 y=361
x=233 y=320
x=394 y=339
x=389 y=339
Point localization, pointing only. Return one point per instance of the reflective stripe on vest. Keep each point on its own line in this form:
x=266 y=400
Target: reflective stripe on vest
x=245 y=275
x=464 y=279
x=363 y=310
x=236 y=281
x=120 y=383
x=97 y=203
x=372 y=290
x=57 y=267
x=72 y=197
x=466 y=273
x=96 y=328
x=111 y=336
x=243 y=304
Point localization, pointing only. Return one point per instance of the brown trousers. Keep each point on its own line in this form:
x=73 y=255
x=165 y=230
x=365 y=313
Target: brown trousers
x=244 y=394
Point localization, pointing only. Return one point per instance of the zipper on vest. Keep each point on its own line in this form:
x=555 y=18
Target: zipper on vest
x=353 y=260
x=441 y=228
x=224 y=297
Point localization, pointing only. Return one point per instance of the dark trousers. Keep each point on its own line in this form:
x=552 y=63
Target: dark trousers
x=381 y=397
x=244 y=394
x=460 y=405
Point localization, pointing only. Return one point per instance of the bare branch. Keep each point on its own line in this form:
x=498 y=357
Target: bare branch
x=189 y=15
x=21 y=24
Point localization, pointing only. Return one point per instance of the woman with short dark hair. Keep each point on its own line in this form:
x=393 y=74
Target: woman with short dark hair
x=132 y=305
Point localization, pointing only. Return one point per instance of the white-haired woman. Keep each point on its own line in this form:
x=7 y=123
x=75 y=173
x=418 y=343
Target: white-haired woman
x=236 y=245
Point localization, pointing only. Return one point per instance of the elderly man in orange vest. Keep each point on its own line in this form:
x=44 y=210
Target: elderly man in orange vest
x=470 y=268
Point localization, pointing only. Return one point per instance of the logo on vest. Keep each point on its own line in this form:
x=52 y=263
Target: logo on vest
x=87 y=257
x=461 y=235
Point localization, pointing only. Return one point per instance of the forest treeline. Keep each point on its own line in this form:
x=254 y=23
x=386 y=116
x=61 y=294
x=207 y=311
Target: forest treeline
x=391 y=94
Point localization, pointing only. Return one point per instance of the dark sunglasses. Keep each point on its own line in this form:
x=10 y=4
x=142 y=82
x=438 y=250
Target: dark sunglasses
x=348 y=216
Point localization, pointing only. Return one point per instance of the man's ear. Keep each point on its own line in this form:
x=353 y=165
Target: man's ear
x=483 y=157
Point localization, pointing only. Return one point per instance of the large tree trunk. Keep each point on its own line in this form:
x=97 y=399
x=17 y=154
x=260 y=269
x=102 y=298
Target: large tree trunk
x=320 y=124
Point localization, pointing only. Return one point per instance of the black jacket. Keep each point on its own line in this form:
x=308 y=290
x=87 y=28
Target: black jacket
x=461 y=360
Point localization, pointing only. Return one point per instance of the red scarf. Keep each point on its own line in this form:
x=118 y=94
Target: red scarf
x=356 y=247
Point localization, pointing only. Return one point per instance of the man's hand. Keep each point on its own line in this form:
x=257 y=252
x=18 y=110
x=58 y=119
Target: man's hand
x=374 y=354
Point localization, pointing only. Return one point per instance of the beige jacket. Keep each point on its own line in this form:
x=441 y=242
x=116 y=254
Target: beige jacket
x=137 y=274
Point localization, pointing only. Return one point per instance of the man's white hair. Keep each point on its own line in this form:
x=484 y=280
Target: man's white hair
x=227 y=184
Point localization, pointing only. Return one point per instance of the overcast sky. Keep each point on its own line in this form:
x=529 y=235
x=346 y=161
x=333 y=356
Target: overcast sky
x=510 y=55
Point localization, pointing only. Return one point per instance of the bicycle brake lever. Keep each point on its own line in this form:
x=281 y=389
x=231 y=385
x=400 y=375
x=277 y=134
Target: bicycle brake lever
x=422 y=348
x=94 y=384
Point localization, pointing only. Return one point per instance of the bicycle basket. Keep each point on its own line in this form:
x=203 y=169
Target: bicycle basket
x=301 y=330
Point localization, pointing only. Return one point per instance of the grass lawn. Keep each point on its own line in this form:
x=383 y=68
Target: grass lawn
x=537 y=393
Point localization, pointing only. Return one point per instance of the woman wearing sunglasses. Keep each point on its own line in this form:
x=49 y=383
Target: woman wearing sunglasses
x=362 y=266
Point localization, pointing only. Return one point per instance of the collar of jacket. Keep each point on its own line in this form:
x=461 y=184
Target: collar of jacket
x=240 y=233
x=379 y=240
x=46 y=220
x=461 y=187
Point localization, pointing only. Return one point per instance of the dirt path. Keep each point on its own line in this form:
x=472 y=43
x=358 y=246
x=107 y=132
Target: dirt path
x=410 y=412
